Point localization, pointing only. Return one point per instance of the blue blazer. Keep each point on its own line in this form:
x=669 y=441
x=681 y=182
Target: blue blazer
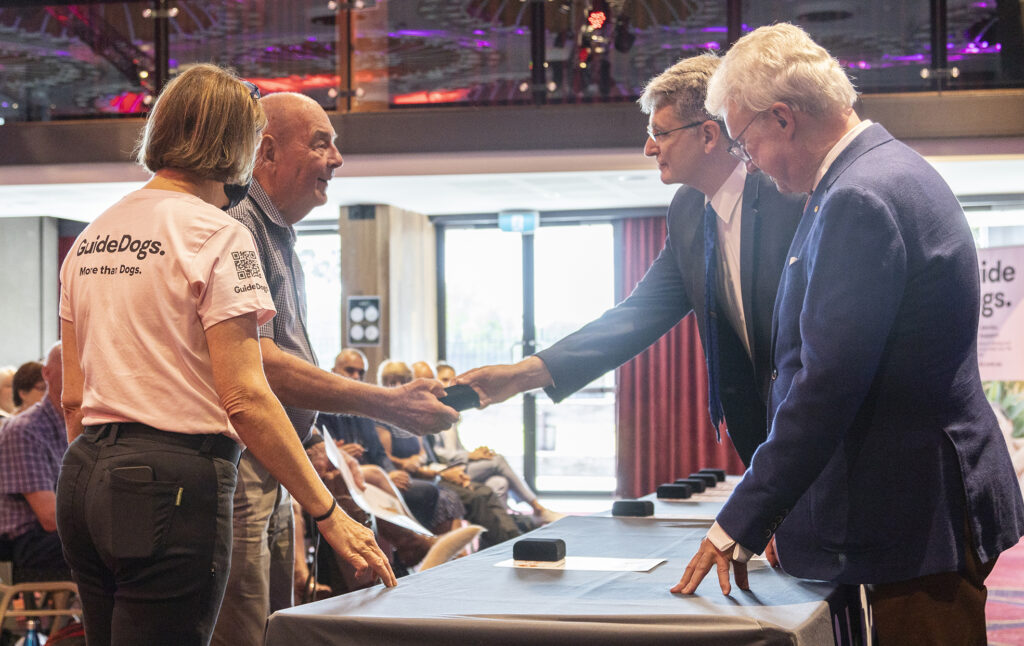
x=881 y=442
x=674 y=286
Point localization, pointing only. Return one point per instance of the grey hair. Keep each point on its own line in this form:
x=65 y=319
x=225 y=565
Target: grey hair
x=684 y=86
x=780 y=63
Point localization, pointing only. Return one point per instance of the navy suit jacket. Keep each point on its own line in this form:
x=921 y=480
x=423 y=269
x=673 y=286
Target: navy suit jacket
x=881 y=441
x=674 y=286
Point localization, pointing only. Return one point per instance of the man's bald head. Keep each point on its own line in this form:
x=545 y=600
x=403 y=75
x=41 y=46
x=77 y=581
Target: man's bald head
x=53 y=374
x=422 y=370
x=282 y=110
x=350 y=363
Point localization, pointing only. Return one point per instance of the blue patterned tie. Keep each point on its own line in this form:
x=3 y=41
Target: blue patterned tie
x=711 y=316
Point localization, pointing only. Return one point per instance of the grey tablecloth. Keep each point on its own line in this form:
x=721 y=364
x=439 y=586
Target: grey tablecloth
x=470 y=601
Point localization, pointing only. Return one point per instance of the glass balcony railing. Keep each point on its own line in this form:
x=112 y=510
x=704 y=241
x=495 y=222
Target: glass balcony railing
x=67 y=61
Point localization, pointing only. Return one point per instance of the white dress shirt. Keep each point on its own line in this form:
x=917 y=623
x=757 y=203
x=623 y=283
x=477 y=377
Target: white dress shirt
x=728 y=205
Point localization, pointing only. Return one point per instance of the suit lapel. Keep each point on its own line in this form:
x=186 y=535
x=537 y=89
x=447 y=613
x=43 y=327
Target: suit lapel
x=749 y=223
x=687 y=232
x=872 y=137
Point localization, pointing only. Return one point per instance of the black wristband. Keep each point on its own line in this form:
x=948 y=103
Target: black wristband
x=327 y=514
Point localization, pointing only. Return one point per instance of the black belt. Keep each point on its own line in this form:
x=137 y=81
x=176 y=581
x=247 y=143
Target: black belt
x=215 y=444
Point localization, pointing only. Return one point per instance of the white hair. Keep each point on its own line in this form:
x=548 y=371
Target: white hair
x=780 y=63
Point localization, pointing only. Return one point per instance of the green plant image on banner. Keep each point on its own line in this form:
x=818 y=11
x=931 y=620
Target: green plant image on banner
x=1009 y=396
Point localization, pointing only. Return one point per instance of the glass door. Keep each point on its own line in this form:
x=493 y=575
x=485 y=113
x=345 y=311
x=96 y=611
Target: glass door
x=574 y=284
x=496 y=311
x=483 y=285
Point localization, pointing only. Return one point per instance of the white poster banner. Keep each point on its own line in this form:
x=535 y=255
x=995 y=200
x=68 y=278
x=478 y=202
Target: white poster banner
x=1001 y=324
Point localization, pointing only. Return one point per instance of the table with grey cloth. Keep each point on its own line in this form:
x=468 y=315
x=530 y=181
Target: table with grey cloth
x=470 y=601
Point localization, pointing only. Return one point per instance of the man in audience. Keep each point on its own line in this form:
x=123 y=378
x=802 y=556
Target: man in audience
x=482 y=464
x=32 y=446
x=728 y=233
x=422 y=370
x=296 y=159
x=885 y=465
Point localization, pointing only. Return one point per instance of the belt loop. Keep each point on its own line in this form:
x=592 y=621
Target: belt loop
x=113 y=431
x=207 y=446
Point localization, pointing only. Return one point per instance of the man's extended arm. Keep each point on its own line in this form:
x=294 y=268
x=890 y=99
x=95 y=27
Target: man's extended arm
x=414 y=407
x=658 y=302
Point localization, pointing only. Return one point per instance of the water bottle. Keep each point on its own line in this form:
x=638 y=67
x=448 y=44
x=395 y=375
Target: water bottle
x=31 y=637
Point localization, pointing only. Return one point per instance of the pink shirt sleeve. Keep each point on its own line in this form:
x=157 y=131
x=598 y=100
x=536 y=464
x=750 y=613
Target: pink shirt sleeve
x=65 y=301
x=228 y=280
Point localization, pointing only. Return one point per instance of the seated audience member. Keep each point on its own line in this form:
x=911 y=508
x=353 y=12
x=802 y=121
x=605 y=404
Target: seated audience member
x=357 y=436
x=482 y=464
x=422 y=370
x=409 y=548
x=408 y=452
x=28 y=386
x=31 y=448
x=6 y=393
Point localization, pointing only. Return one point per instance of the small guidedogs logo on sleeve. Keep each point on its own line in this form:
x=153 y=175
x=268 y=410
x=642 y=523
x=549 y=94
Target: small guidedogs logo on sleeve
x=246 y=264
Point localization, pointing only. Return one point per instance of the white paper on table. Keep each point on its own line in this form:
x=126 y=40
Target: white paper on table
x=374 y=500
x=587 y=563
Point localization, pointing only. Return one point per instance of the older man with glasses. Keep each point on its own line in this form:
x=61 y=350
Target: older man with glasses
x=728 y=232
x=884 y=465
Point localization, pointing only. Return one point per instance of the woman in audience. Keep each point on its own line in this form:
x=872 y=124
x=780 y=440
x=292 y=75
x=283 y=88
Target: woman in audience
x=28 y=386
x=160 y=302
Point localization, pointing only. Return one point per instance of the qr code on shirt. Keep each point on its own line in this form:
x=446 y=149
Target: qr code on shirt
x=246 y=264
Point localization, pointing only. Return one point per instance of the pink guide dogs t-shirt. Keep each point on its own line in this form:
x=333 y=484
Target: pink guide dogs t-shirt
x=141 y=285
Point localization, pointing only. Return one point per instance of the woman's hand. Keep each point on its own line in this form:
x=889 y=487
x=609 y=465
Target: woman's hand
x=356 y=545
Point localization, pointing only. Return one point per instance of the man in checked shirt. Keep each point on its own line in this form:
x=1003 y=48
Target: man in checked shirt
x=296 y=159
x=32 y=445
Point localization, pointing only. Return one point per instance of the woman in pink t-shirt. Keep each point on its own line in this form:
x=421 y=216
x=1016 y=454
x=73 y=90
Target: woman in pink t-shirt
x=160 y=301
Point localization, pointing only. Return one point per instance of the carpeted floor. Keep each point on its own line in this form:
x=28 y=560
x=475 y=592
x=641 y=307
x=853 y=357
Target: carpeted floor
x=1005 y=608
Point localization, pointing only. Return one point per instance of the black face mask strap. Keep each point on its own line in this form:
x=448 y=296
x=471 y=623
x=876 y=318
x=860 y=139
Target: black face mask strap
x=235 y=194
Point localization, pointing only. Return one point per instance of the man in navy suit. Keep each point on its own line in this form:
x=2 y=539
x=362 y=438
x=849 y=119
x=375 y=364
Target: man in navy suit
x=884 y=464
x=754 y=225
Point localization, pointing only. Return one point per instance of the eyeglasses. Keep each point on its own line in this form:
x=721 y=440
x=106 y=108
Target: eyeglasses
x=254 y=91
x=658 y=135
x=737 y=148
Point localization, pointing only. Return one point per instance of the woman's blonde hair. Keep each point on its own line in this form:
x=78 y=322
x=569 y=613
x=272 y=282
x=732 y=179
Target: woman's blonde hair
x=394 y=371
x=206 y=122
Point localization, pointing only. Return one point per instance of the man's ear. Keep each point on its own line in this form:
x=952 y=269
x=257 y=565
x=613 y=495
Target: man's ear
x=268 y=149
x=783 y=117
x=711 y=132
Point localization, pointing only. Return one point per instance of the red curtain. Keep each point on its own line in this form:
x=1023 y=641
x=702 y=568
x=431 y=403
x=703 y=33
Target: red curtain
x=664 y=430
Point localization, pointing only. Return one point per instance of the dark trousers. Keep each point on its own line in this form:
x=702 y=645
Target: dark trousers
x=946 y=608
x=485 y=508
x=38 y=556
x=421 y=497
x=146 y=528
